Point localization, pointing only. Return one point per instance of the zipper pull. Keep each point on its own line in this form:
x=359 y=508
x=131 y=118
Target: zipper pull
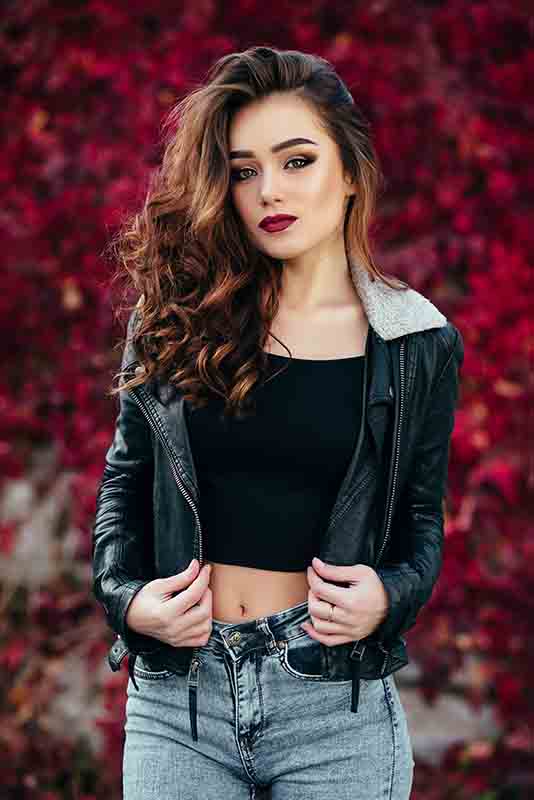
x=355 y=695
x=193 y=687
x=356 y=655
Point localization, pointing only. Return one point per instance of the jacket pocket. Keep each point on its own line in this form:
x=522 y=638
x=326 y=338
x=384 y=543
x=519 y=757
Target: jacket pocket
x=145 y=670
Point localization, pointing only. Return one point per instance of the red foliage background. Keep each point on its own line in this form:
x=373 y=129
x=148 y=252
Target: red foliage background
x=447 y=86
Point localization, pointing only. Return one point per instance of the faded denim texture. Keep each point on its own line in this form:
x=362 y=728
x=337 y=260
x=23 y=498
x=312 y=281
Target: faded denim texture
x=273 y=721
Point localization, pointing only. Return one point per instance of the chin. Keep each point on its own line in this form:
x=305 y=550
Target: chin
x=284 y=252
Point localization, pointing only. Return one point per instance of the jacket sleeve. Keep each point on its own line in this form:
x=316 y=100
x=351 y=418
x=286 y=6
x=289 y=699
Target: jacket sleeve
x=409 y=583
x=122 y=545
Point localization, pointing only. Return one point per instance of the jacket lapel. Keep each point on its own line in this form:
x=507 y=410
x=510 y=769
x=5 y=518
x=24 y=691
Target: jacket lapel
x=380 y=395
x=391 y=313
x=176 y=431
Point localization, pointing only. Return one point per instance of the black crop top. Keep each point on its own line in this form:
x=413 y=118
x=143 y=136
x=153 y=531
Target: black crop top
x=268 y=481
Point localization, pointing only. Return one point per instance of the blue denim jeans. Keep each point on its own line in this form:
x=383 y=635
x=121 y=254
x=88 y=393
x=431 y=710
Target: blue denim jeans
x=268 y=717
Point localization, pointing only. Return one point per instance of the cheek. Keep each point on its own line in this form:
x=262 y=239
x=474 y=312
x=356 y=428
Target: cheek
x=330 y=194
x=324 y=212
x=320 y=196
x=324 y=197
x=241 y=205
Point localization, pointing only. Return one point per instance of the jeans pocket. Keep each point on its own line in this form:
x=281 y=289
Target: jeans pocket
x=144 y=671
x=304 y=658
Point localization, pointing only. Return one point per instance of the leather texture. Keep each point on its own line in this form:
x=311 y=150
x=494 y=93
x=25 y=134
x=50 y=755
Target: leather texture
x=388 y=514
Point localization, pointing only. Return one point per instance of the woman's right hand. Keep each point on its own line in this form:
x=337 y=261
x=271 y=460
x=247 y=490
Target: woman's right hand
x=184 y=620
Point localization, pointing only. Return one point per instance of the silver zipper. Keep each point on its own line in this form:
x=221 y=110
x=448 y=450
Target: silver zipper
x=397 y=450
x=160 y=432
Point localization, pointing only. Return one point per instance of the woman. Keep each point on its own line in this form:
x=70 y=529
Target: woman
x=269 y=520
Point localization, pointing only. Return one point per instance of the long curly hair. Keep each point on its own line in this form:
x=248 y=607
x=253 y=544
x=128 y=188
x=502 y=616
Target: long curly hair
x=207 y=296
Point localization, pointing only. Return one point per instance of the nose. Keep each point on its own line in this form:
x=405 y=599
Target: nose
x=269 y=190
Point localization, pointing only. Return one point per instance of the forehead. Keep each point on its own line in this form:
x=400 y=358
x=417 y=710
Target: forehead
x=269 y=120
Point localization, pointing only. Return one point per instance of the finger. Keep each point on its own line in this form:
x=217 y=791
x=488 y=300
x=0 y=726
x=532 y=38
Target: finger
x=339 y=574
x=330 y=640
x=325 y=626
x=337 y=595
x=192 y=595
x=197 y=614
x=199 y=630
x=322 y=609
x=334 y=617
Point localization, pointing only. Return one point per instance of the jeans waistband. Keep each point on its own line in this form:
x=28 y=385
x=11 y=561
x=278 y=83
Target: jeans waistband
x=241 y=637
x=238 y=638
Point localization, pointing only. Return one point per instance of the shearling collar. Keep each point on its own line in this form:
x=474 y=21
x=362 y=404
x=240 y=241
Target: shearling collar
x=392 y=312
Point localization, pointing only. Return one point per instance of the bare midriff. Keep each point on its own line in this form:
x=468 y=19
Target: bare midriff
x=244 y=593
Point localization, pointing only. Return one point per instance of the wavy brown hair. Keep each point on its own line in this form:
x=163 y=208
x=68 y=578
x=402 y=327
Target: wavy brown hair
x=207 y=295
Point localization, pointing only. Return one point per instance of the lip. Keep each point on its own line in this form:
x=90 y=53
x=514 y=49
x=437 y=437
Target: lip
x=277 y=223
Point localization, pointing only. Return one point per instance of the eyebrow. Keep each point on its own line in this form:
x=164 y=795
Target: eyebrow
x=274 y=149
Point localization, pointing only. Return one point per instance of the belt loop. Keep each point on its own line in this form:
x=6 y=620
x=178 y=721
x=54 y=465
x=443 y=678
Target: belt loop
x=272 y=644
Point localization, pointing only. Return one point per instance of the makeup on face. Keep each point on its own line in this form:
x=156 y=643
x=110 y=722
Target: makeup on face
x=285 y=177
x=274 y=224
x=277 y=223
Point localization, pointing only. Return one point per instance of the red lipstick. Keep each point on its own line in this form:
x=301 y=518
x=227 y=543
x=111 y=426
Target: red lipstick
x=277 y=223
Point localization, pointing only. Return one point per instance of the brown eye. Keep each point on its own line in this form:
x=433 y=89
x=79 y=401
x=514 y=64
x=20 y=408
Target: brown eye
x=305 y=160
x=235 y=174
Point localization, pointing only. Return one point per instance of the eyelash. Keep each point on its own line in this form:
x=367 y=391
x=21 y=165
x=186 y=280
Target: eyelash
x=235 y=172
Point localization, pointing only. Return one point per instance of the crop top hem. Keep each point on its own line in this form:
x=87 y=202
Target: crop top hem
x=314 y=360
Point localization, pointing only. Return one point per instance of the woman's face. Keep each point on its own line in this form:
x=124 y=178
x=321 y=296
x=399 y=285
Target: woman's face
x=304 y=180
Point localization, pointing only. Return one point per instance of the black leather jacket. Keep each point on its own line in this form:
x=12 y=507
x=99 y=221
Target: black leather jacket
x=388 y=513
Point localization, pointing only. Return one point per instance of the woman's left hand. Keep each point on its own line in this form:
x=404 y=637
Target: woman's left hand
x=359 y=608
